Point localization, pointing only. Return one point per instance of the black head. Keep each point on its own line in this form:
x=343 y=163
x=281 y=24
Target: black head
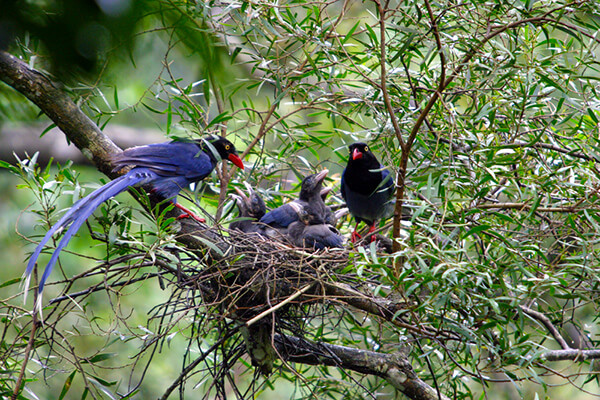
x=361 y=153
x=225 y=149
x=325 y=192
x=251 y=205
x=308 y=215
x=312 y=184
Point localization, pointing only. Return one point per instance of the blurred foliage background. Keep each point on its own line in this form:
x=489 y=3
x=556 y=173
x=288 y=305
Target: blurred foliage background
x=501 y=178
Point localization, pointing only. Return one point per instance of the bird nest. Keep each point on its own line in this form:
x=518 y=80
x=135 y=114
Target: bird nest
x=266 y=288
x=257 y=275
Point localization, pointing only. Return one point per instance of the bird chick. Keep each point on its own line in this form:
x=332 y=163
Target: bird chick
x=311 y=231
x=280 y=218
x=252 y=208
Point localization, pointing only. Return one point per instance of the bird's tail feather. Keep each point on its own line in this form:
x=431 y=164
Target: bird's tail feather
x=75 y=217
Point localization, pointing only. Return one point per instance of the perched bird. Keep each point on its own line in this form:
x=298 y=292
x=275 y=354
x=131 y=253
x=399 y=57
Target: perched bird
x=367 y=187
x=280 y=218
x=252 y=208
x=312 y=231
x=166 y=167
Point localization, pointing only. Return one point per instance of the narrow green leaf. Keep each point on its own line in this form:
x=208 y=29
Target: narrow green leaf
x=211 y=245
x=116 y=97
x=10 y=282
x=350 y=33
x=592 y=115
x=47 y=129
x=220 y=118
x=536 y=203
x=475 y=230
x=67 y=385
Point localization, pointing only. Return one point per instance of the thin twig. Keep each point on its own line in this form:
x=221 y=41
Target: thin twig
x=30 y=342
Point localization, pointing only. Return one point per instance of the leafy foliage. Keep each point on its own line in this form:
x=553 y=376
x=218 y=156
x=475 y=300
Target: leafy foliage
x=486 y=111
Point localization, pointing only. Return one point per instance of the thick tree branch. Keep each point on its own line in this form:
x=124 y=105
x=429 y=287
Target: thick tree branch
x=392 y=367
x=57 y=105
x=388 y=310
x=572 y=355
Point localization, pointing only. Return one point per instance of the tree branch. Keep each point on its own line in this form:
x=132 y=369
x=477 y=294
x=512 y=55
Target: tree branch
x=573 y=355
x=443 y=85
x=392 y=367
x=548 y=325
x=57 y=105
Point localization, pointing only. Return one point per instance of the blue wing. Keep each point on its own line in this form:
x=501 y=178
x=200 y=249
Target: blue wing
x=281 y=217
x=171 y=159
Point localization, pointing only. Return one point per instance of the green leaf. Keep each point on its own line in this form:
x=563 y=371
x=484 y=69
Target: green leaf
x=211 y=245
x=224 y=116
x=475 y=230
x=10 y=282
x=67 y=385
x=350 y=32
x=116 y=97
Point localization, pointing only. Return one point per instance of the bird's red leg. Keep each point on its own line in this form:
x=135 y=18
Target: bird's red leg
x=355 y=235
x=371 y=230
x=188 y=213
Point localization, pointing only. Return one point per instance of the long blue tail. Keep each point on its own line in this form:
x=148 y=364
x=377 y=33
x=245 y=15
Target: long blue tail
x=76 y=216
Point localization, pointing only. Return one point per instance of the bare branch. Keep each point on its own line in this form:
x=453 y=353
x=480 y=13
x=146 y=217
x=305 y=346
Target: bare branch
x=548 y=324
x=573 y=355
x=393 y=367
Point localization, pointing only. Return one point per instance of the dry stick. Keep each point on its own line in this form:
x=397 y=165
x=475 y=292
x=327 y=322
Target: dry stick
x=197 y=361
x=525 y=207
x=401 y=179
x=279 y=305
x=404 y=147
x=547 y=146
x=383 y=83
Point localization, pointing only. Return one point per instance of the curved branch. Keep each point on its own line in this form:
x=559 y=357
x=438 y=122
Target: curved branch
x=394 y=368
x=443 y=85
x=56 y=104
x=548 y=325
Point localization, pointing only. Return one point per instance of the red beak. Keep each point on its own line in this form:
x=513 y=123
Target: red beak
x=356 y=154
x=234 y=158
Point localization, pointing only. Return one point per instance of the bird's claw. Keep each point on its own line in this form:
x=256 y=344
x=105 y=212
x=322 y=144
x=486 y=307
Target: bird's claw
x=355 y=236
x=371 y=230
x=188 y=214
x=192 y=216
